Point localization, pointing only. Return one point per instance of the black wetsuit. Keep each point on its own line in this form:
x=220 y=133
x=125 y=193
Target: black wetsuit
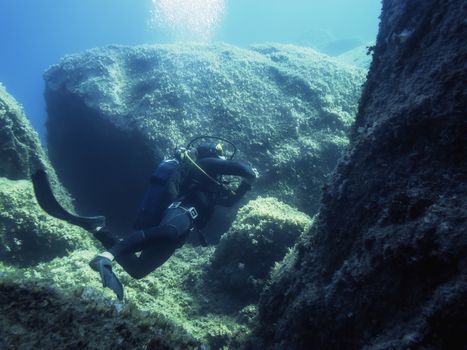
x=158 y=243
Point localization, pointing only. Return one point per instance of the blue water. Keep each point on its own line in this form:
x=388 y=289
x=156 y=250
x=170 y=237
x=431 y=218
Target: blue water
x=34 y=34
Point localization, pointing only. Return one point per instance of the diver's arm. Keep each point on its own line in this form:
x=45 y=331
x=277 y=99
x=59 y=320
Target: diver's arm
x=227 y=167
x=218 y=166
x=229 y=198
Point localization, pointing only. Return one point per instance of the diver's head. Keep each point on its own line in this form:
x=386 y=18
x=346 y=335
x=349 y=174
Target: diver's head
x=210 y=149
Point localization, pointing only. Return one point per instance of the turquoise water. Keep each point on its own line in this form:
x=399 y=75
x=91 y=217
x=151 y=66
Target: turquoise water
x=36 y=33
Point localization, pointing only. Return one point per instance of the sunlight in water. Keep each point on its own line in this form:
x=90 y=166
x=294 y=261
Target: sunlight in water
x=193 y=20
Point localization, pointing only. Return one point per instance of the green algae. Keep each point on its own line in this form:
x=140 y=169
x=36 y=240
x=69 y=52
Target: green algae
x=181 y=295
x=171 y=294
x=21 y=153
x=27 y=234
x=67 y=322
x=257 y=239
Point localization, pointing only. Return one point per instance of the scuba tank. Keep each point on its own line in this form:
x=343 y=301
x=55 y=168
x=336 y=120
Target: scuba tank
x=156 y=198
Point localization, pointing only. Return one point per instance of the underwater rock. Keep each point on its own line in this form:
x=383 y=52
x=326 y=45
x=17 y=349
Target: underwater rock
x=385 y=265
x=259 y=237
x=174 y=294
x=21 y=153
x=20 y=149
x=35 y=317
x=114 y=112
x=27 y=234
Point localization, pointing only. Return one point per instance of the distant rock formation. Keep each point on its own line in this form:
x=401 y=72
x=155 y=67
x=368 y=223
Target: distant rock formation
x=360 y=56
x=325 y=42
x=385 y=266
x=338 y=47
x=114 y=112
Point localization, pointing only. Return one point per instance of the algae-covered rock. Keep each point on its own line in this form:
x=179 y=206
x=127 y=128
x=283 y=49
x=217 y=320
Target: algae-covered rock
x=385 y=265
x=259 y=237
x=27 y=234
x=33 y=316
x=50 y=297
x=175 y=294
x=20 y=149
x=21 y=153
x=114 y=112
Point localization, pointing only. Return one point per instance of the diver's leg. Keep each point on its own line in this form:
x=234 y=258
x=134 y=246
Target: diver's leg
x=173 y=230
x=163 y=244
x=102 y=263
x=156 y=244
x=150 y=259
x=175 y=224
x=107 y=239
x=138 y=240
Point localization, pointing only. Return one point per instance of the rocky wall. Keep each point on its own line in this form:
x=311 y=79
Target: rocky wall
x=385 y=267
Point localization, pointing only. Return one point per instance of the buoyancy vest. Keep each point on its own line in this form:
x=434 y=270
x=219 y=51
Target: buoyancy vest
x=158 y=196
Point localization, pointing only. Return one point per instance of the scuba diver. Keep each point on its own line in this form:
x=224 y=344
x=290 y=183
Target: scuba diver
x=180 y=199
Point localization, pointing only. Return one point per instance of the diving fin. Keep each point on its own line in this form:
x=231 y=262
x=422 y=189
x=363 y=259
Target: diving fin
x=51 y=206
x=109 y=279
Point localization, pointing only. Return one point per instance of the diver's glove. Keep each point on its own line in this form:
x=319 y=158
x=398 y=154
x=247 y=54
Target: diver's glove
x=256 y=172
x=102 y=263
x=251 y=180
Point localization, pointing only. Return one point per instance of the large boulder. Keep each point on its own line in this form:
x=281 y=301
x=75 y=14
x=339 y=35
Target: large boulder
x=259 y=237
x=114 y=112
x=385 y=266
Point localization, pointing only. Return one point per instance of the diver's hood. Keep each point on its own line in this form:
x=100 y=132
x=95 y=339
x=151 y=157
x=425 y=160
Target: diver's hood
x=205 y=147
x=208 y=150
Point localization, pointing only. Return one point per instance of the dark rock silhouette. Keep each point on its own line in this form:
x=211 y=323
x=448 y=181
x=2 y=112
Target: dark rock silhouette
x=385 y=265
